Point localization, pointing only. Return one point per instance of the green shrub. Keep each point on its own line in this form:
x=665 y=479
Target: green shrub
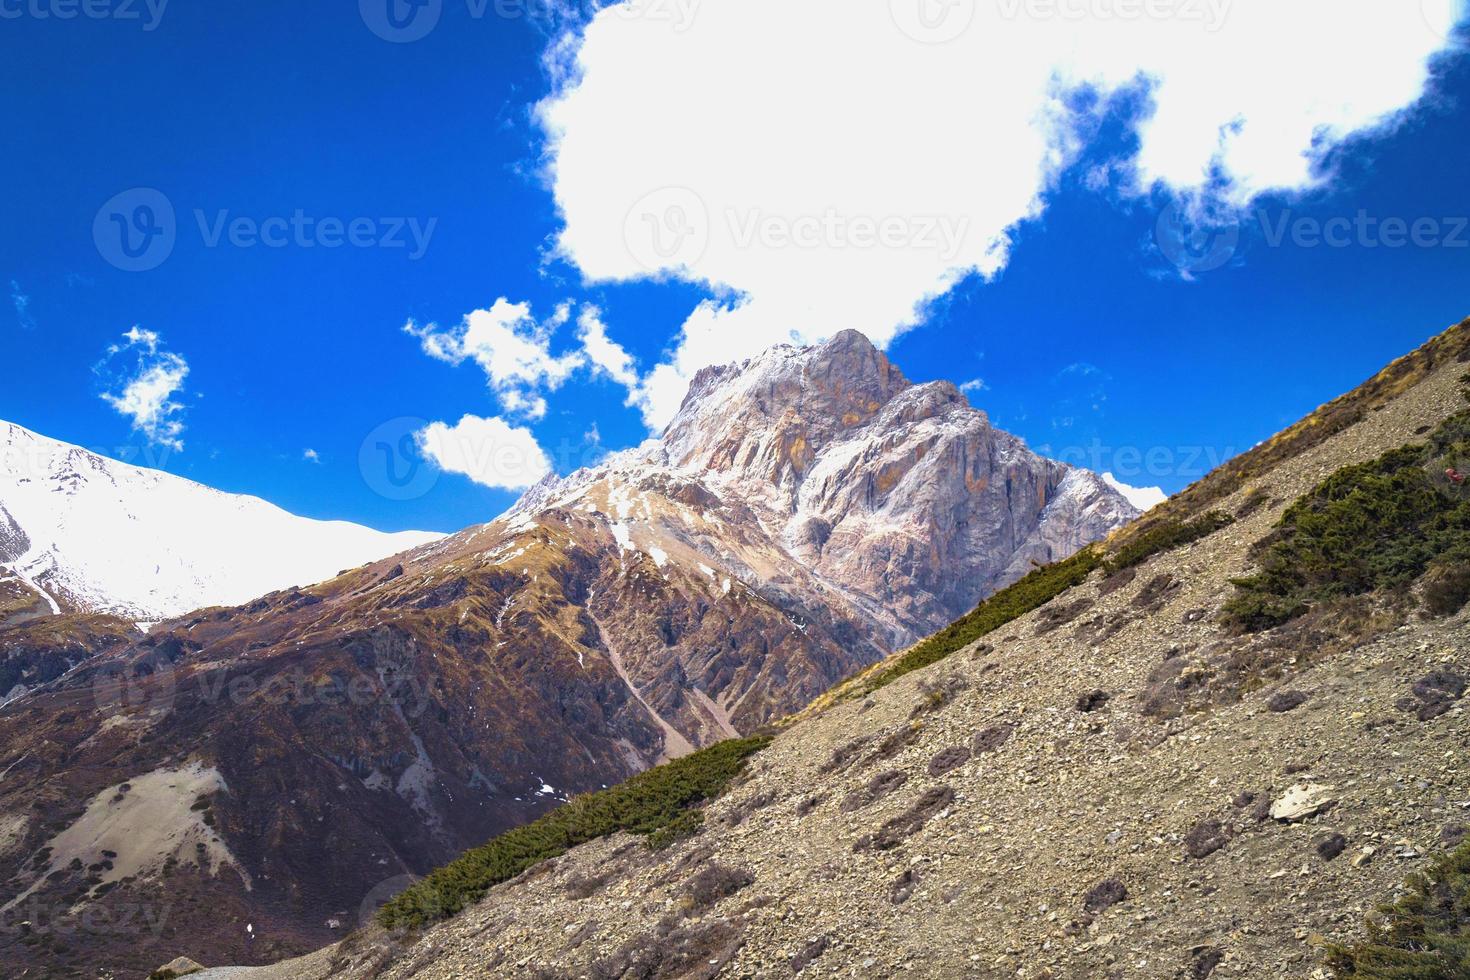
x=1425 y=935
x=1038 y=588
x=1372 y=526
x=1032 y=592
x=650 y=803
x=1165 y=537
x=682 y=827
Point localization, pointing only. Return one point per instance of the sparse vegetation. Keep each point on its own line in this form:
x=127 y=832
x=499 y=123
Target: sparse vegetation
x=713 y=884
x=659 y=801
x=1032 y=592
x=1334 y=417
x=1372 y=526
x=1165 y=537
x=1425 y=935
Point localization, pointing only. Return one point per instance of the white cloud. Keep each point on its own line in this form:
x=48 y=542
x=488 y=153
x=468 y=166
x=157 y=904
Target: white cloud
x=856 y=171
x=311 y=456
x=974 y=386
x=511 y=347
x=1144 y=498
x=144 y=389
x=490 y=451
x=606 y=354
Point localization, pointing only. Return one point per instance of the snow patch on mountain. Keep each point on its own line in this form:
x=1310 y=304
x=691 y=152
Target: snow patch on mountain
x=94 y=534
x=1144 y=498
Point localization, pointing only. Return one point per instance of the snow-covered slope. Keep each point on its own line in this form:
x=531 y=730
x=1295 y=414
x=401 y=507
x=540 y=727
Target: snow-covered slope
x=93 y=534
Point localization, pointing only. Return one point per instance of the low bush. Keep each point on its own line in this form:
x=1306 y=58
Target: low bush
x=1032 y=592
x=1165 y=537
x=1425 y=935
x=647 y=804
x=1368 y=527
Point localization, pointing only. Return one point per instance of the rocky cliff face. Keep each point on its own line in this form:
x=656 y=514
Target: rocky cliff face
x=807 y=513
x=848 y=487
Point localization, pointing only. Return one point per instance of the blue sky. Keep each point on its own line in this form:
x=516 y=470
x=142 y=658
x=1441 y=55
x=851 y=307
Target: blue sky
x=1087 y=339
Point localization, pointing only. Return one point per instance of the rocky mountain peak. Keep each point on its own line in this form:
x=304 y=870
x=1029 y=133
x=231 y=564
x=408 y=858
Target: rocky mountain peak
x=771 y=416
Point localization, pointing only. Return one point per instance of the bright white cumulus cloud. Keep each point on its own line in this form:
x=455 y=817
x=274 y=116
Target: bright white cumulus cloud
x=141 y=380
x=490 y=451
x=828 y=164
x=511 y=346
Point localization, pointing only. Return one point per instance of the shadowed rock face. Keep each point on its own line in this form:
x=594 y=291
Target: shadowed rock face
x=807 y=513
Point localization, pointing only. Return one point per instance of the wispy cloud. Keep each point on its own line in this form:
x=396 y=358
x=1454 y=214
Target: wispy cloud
x=22 y=303
x=140 y=381
x=312 y=456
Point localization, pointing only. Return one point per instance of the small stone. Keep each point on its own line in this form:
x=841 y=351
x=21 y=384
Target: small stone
x=1302 y=801
x=1284 y=701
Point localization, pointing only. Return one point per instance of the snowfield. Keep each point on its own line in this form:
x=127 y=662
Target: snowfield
x=93 y=534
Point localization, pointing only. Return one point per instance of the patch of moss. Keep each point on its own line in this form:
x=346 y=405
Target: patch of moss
x=656 y=802
x=1425 y=935
x=1373 y=526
